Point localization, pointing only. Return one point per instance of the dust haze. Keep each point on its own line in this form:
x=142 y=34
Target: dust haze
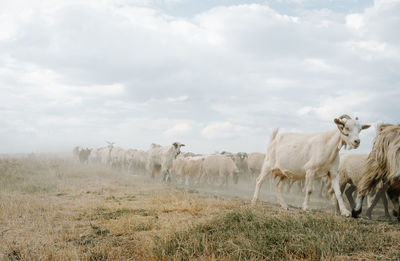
x=91 y=90
x=55 y=207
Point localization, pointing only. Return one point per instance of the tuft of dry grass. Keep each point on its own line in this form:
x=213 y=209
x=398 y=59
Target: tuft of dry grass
x=269 y=234
x=54 y=209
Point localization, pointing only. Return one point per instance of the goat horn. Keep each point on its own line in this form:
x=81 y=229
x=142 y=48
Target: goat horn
x=345 y=116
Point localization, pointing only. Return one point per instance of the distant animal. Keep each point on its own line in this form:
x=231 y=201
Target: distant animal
x=190 y=154
x=240 y=160
x=188 y=169
x=95 y=156
x=160 y=159
x=255 y=161
x=84 y=155
x=218 y=169
x=117 y=158
x=106 y=154
x=75 y=153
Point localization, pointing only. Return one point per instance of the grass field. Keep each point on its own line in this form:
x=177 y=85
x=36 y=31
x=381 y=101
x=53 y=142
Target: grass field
x=53 y=209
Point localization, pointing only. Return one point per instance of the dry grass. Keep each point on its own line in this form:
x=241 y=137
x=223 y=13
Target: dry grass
x=79 y=212
x=268 y=233
x=52 y=209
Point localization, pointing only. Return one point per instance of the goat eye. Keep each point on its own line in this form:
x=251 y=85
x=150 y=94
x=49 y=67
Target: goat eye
x=347 y=129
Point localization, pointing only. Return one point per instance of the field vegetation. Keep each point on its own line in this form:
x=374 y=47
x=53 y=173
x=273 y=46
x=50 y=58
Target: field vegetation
x=54 y=209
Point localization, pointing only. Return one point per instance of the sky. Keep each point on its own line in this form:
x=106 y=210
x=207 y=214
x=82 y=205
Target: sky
x=214 y=75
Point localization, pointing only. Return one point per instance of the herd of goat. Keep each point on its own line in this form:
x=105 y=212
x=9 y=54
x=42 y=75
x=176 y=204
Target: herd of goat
x=290 y=157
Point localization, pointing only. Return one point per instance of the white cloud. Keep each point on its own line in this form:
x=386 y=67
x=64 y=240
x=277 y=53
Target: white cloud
x=354 y=21
x=115 y=89
x=224 y=77
x=349 y=103
x=178 y=129
x=222 y=130
x=181 y=98
x=318 y=65
x=278 y=82
x=305 y=110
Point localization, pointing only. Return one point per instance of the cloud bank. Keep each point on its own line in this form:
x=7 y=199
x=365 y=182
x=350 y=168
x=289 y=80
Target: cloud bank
x=223 y=78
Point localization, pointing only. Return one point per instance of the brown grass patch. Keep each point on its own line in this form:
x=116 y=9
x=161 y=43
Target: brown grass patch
x=81 y=212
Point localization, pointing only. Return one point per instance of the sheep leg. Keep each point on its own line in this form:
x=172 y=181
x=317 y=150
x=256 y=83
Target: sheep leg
x=321 y=188
x=300 y=185
x=308 y=188
x=166 y=176
x=385 y=205
x=289 y=185
x=372 y=201
x=260 y=180
x=303 y=186
x=355 y=213
x=394 y=198
x=349 y=194
x=224 y=179
x=334 y=176
x=279 y=196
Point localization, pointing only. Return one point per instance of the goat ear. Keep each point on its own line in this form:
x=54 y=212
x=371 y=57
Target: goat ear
x=339 y=123
x=182 y=145
x=364 y=127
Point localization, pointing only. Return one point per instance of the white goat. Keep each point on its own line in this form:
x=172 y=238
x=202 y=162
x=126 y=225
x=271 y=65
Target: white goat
x=309 y=156
x=161 y=159
x=240 y=160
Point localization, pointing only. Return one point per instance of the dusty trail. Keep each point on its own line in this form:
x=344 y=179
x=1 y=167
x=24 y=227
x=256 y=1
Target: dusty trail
x=294 y=197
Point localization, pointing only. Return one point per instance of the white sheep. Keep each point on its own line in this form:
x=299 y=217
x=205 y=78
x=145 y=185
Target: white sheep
x=160 y=159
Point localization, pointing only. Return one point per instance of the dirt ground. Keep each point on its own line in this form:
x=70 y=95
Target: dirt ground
x=54 y=209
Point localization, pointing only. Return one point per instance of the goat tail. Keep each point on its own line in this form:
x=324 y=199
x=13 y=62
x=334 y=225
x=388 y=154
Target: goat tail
x=273 y=136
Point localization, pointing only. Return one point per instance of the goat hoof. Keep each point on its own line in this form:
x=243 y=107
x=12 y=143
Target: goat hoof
x=346 y=213
x=355 y=213
x=395 y=213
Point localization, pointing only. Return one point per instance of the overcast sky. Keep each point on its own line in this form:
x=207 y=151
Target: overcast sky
x=215 y=75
